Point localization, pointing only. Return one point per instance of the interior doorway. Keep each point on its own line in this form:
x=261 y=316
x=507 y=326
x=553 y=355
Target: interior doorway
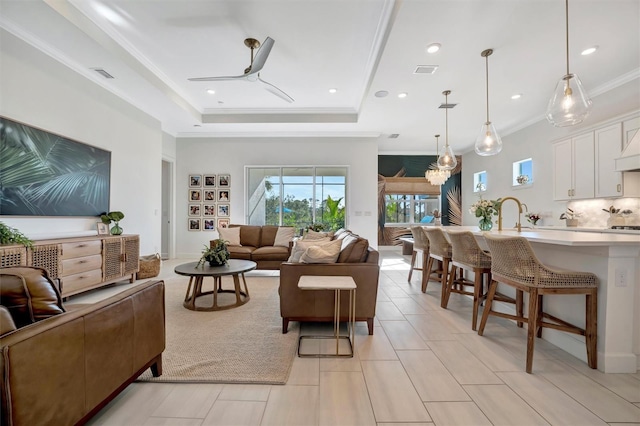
x=167 y=210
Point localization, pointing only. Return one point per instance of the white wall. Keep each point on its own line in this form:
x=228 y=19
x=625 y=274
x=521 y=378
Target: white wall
x=215 y=156
x=39 y=91
x=535 y=142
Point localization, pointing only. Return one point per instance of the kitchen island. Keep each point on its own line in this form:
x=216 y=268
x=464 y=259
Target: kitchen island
x=615 y=259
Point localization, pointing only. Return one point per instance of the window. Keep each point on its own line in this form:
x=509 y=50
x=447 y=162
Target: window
x=480 y=181
x=523 y=172
x=297 y=196
x=405 y=208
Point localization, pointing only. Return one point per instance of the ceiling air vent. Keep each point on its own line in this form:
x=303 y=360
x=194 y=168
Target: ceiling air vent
x=447 y=106
x=425 y=69
x=394 y=135
x=102 y=72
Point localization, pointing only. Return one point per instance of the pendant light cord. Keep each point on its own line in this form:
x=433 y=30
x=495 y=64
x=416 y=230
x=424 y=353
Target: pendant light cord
x=446 y=120
x=567 y=27
x=487 y=74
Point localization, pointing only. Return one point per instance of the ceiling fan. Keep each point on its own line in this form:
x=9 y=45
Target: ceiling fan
x=252 y=72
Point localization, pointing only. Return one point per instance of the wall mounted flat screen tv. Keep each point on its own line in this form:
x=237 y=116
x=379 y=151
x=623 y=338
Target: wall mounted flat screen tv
x=44 y=174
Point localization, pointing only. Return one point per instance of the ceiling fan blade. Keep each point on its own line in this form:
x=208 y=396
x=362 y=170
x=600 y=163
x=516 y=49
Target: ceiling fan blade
x=261 y=56
x=273 y=89
x=222 y=78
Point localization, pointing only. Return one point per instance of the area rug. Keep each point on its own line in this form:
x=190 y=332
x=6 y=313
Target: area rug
x=238 y=345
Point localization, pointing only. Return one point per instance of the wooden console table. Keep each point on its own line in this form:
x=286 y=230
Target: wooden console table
x=80 y=263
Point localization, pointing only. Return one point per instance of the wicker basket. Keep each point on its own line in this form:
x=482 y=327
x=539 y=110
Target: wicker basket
x=149 y=266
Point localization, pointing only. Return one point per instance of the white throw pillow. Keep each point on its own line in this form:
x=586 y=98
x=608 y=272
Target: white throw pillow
x=284 y=236
x=232 y=235
x=327 y=253
x=301 y=246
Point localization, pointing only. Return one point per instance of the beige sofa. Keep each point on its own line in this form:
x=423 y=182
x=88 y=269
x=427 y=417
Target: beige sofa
x=357 y=260
x=256 y=244
x=60 y=366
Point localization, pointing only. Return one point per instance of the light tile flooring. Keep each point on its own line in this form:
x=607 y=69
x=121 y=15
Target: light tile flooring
x=423 y=366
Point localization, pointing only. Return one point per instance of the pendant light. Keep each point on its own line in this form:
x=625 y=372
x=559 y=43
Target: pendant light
x=570 y=103
x=447 y=161
x=488 y=141
x=436 y=176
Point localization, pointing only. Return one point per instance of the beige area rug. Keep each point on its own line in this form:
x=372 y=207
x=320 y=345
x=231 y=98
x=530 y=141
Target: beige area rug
x=238 y=345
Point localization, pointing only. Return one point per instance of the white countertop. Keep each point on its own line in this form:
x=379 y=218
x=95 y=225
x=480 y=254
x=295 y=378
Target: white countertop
x=559 y=237
x=583 y=229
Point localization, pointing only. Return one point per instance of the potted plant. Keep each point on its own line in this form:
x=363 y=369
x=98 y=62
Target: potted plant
x=9 y=235
x=217 y=254
x=115 y=217
x=571 y=217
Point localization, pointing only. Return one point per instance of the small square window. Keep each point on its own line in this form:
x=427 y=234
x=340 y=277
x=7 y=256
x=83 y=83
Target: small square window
x=480 y=181
x=523 y=172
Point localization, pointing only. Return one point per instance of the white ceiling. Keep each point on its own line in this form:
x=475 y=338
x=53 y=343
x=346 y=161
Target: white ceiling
x=359 y=47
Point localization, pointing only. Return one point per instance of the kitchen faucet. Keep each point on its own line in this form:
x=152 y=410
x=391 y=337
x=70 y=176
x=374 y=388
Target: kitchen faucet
x=519 y=212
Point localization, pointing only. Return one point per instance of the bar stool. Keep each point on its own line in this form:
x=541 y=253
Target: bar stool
x=440 y=250
x=514 y=263
x=467 y=254
x=420 y=245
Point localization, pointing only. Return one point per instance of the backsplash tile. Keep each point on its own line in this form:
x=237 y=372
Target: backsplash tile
x=593 y=216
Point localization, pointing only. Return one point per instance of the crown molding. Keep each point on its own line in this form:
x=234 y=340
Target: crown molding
x=279 y=135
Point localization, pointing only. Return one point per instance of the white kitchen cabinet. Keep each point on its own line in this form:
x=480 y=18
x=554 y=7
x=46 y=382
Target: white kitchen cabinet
x=608 y=146
x=573 y=168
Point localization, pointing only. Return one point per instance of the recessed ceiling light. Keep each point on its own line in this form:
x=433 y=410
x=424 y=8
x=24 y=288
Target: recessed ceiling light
x=381 y=94
x=333 y=90
x=402 y=95
x=589 y=50
x=197 y=125
x=516 y=96
x=433 y=47
x=211 y=91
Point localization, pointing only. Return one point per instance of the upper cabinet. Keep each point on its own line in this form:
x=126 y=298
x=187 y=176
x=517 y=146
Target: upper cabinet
x=584 y=165
x=573 y=168
x=608 y=147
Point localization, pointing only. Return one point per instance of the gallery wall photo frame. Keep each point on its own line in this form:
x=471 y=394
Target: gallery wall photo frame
x=210 y=195
x=224 y=181
x=195 y=181
x=194 y=224
x=223 y=195
x=209 y=224
x=195 y=195
x=223 y=223
x=209 y=209
x=210 y=181
x=194 y=210
x=223 y=210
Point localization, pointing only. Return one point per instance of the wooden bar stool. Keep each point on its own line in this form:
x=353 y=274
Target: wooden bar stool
x=467 y=254
x=514 y=263
x=440 y=250
x=420 y=245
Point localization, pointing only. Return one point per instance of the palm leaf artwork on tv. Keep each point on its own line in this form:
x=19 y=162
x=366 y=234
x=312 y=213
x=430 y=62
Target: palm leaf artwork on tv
x=44 y=174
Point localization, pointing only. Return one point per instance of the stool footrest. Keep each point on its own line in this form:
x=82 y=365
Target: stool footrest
x=321 y=355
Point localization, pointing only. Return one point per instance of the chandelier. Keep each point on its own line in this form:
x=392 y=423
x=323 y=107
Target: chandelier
x=434 y=175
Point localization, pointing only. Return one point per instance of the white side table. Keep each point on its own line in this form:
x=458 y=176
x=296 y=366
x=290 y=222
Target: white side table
x=335 y=283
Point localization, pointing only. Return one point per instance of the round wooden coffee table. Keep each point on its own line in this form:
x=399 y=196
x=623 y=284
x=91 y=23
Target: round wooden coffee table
x=235 y=268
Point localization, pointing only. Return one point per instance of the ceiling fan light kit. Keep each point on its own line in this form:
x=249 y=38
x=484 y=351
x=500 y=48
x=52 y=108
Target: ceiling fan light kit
x=488 y=141
x=447 y=160
x=252 y=72
x=570 y=103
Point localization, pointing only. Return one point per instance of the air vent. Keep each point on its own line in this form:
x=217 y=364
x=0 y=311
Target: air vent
x=426 y=69
x=102 y=72
x=394 y=135
x=447 y=106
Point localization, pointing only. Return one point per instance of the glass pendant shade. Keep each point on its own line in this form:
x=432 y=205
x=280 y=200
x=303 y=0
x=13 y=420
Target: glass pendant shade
x=447 y=160
x=488 y=141
x=570 y=103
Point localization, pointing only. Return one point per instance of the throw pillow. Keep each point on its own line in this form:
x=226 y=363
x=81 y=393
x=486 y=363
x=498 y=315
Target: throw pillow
x=284 y=236
x=355 y=252
x=327 y=253
x=313 y=235
x=301 y=246
x=232 y=235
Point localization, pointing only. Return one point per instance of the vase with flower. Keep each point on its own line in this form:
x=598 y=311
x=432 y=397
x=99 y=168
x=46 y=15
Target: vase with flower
x=484 y=209
x=532 y=218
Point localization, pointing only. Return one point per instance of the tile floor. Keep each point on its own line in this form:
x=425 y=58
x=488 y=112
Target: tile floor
x=423 y=366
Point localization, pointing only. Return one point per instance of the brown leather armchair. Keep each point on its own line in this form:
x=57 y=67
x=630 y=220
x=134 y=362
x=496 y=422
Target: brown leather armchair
x=63 y=368
x=313 y=305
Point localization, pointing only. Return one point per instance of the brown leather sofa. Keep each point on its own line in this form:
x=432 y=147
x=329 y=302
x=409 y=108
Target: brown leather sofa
x=318 y=306
x=256 y=244
x=61 y=364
